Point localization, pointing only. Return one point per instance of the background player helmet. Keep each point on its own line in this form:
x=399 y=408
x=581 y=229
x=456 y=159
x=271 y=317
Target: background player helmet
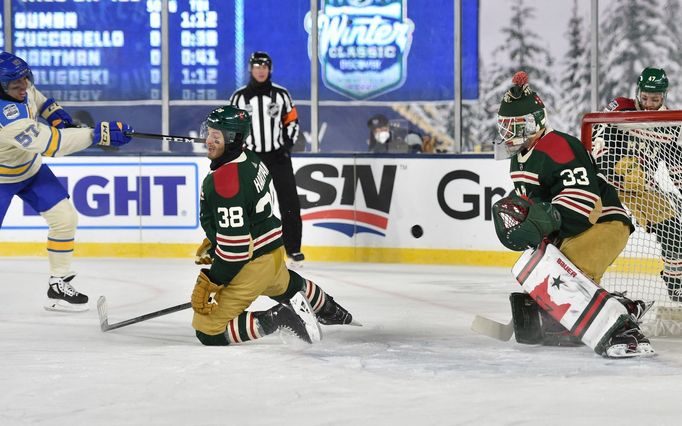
x=13 y=68
x=521 y=116
x=260 y=58
x=234 y=124
x=652 y=80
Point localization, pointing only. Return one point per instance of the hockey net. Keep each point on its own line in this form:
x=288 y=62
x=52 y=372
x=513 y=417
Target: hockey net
x=640 y=153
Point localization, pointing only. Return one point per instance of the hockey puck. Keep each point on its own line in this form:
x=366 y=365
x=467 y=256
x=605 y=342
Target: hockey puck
x=417 y=231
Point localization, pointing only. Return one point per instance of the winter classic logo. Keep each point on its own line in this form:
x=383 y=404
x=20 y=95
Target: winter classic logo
x=11 y=111
x=363 y=45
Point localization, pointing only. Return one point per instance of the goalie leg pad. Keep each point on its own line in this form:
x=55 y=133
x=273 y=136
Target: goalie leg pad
x=567 y=295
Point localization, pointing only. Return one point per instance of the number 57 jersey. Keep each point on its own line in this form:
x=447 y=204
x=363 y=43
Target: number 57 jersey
x=237 y=216
x=558 y=169
x=24 y=140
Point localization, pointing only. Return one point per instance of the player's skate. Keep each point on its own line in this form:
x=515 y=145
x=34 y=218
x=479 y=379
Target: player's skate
x=629 y=342
x=62 y=297
x=332 y=314
x=295 y=260
x=283 y=317
x=674 y=288
x=636 y=308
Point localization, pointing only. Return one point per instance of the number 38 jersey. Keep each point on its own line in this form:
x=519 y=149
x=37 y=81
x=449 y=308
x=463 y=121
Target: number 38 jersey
x=236 y=214
x=558 y=169
x=24 y=140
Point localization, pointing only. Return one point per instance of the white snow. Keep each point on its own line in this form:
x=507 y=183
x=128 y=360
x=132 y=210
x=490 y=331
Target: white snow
x=414 y=362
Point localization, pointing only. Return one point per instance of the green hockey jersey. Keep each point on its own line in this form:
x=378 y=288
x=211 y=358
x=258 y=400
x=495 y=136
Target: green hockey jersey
x=558 y=169
x=236 y=214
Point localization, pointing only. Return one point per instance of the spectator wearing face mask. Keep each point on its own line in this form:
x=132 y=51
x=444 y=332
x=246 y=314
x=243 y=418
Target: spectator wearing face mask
x=381 y=138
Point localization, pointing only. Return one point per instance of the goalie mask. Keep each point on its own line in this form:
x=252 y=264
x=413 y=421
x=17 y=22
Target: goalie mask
x=12 y=68
x=520 y=119
x=652 y=87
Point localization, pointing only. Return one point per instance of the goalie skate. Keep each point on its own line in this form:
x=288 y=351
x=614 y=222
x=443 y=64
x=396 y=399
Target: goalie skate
x=629 y=343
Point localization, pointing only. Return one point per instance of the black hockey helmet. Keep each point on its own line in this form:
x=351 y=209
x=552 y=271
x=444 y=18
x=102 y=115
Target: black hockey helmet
x=260 y=58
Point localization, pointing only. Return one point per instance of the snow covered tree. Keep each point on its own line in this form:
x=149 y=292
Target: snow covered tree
x=479 y=128
x=672 y=17
x=521 y=50
x=633 y=35
x=575 y=74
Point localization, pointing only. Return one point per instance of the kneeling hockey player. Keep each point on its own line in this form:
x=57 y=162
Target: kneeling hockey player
x=561 y=198
x=244 y=247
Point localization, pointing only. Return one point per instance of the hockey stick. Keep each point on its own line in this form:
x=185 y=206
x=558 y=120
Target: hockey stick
x=166 y=138
x=494 y=329
x=104 y=315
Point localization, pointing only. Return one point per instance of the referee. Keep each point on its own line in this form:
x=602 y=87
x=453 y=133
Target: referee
x=274 y=129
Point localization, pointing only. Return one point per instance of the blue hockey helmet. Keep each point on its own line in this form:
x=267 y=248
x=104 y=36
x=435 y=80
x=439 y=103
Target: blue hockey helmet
x=13 y=68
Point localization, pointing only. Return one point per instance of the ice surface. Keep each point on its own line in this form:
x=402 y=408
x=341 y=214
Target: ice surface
x=414 y=362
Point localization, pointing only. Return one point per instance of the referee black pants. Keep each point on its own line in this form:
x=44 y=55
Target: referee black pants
x=282 y=172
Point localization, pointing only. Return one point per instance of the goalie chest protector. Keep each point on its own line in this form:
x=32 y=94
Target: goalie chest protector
x=562 y=290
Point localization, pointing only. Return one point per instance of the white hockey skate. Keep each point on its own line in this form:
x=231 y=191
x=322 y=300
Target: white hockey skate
x=302 y=308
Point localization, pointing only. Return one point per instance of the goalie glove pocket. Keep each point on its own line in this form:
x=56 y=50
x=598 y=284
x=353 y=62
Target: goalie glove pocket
x=520 y=223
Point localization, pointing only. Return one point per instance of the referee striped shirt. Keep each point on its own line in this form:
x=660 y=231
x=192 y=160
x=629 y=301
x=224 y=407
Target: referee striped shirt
x=274 y=120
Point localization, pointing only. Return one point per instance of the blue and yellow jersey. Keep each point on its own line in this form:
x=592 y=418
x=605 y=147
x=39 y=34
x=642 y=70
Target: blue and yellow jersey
x=24 y=140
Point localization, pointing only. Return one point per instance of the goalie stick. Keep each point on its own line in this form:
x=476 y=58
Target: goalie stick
x=166 y=138
x=104 y=315
x=491 y=328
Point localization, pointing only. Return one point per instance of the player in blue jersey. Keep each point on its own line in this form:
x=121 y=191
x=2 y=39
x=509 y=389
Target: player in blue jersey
x=24 y=140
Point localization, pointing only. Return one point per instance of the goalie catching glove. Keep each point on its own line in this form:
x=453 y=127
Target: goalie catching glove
x=203 y=255
x=521 y=223
x=54 y=114
x=112 y=133
x=205 y=294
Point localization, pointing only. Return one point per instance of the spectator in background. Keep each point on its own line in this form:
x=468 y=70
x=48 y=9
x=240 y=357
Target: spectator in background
x=392 y=136
x=273 y=133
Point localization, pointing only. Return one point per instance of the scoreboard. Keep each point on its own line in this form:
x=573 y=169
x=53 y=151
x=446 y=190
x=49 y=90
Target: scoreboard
x=110 y=50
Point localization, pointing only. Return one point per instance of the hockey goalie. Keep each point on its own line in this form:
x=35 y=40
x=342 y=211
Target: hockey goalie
x=572 y=226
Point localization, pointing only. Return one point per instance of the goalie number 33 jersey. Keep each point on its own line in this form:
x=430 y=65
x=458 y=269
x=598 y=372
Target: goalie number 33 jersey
x=559 y=170
x=236 y=214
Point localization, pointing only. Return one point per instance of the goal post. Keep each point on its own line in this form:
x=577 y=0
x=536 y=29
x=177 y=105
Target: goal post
x=640 y=154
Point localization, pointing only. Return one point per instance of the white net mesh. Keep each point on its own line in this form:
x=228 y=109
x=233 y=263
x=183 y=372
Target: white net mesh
x=643 y=160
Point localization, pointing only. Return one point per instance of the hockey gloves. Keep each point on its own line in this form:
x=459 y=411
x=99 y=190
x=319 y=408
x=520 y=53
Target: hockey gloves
x=521 y=223
x=112 y=133
x=629 y=170
x=55 y=115
x=203 y=256
x=205 y=294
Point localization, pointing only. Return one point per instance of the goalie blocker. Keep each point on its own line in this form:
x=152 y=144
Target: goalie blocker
x=588 y=312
